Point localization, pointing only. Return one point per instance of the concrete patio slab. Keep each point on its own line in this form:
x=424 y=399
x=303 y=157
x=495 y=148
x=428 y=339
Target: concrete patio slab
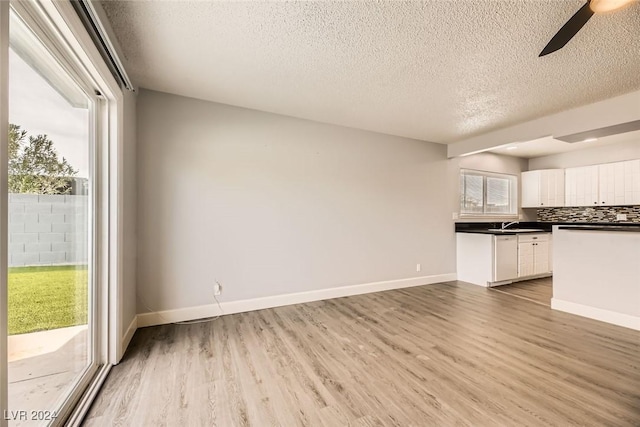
x=43 y=367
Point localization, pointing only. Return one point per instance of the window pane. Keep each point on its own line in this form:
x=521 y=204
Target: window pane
x=49 y=313
x=472 y=193
x=498 y=195
x=487 y=193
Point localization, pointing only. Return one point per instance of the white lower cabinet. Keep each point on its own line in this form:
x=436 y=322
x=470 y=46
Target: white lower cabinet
x=491 y=260
x=534 y=254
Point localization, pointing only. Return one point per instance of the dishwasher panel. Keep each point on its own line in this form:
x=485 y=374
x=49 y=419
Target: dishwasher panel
x=505 y=258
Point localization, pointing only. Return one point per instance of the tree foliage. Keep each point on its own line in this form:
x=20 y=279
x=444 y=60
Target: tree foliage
x=34 y=165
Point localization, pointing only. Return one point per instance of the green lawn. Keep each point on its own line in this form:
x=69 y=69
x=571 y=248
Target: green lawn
x=42 y=298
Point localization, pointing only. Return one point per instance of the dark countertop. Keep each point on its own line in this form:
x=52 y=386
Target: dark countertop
x=546 y=227
x=623 y=228
x=596 y=224
x=501 y=233
x=483 y=227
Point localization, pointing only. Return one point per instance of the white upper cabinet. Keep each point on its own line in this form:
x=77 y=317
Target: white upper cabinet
x=543 y=188
x=632 y=182
x=610 y=184
x=530 y=189
x=581 y=186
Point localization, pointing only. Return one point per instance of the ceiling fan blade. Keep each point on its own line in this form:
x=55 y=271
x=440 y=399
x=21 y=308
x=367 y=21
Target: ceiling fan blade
x=568 y=30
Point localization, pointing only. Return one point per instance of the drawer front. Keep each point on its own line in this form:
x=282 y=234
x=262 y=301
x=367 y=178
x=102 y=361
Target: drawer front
x=531 y=238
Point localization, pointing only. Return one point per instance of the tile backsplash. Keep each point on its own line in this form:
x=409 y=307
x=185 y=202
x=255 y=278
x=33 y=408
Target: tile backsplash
x=589 y=214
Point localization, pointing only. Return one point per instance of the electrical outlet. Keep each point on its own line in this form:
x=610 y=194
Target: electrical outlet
x=418 y=267
x=217 y=288
x=621 y=217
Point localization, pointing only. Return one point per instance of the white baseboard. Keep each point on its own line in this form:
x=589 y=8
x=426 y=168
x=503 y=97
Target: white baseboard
x=126 y=339
x=620 y=319
x=231 y=307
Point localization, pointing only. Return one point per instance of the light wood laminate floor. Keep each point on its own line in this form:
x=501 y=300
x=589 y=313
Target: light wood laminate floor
x=442 y=355
x=535 y=290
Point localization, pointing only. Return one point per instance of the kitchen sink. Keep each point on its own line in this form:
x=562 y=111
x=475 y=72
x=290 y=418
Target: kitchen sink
x=517 y=230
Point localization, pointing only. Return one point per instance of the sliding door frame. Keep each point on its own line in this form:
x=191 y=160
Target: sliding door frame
x=4 y=204
x=66 y=36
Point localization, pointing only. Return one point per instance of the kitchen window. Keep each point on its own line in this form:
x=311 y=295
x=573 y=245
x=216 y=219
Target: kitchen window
x=488 y=193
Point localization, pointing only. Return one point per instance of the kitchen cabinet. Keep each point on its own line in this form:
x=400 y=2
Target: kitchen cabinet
x=534 y=255
x=609 y=184
x=632 y=182
x=582 y=186
x=492 y=260
x=543 y=188
x=619 y=183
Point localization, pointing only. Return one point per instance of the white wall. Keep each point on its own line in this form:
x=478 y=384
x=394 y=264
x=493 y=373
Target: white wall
x=621 y=151
x=272 y=205
x=129 y=309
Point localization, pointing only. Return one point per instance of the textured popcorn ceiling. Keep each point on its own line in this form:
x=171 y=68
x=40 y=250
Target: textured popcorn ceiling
x=439 y=71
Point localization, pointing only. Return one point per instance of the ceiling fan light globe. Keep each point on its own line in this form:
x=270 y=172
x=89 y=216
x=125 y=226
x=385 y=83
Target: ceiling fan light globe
x=603 y=6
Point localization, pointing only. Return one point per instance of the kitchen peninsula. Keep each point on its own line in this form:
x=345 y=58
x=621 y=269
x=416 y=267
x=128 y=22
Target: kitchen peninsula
x=597 y=272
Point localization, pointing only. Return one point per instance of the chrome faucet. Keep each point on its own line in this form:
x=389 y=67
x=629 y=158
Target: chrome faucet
x=507 y=224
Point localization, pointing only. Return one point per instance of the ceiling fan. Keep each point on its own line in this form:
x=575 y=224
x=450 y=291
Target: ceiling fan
x=578 y=20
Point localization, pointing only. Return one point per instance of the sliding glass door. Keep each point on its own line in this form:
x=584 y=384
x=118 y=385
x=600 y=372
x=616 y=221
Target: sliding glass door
x=51 y=293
